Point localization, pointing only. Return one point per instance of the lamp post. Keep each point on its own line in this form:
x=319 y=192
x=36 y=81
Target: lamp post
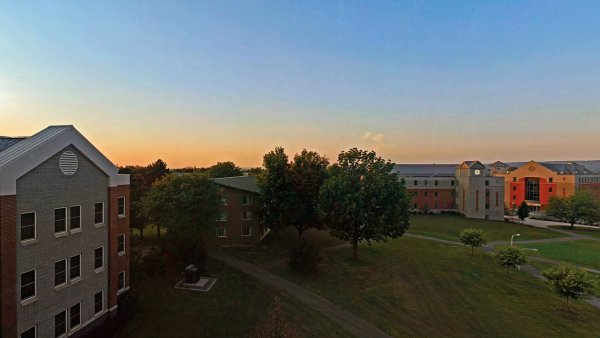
x=513 y=236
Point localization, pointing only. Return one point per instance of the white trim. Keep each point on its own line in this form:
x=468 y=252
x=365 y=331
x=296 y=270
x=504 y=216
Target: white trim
x=26 y=241
x=224 y=232
x=66 y=333
x=34 y=331
x=66 y=222
x=98 y=314
x=124 y=207
x=112 y=308
x=123 y=290
x=101 y=223
x=250 y=232
x=100 y=269
x=78 y=278
x=69 y=218
x=74 y=328
x=29 y=153
x=119 y=291
x=62 y=285
x=33 y=298
x=121 y=253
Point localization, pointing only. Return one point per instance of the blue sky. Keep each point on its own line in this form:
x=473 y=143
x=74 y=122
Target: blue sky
x=199 y=82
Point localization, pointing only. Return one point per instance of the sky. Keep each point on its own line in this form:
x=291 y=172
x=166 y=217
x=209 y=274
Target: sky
x=197 y=82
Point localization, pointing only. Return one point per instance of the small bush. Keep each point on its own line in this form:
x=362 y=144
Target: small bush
x=304 y=257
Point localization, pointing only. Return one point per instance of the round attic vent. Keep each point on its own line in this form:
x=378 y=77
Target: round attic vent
x=68 y=163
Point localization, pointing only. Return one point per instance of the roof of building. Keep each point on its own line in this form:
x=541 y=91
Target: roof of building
x=425 y=169
x=498 y=164
x=567 y=168
x=245 y=183
x=21 y=154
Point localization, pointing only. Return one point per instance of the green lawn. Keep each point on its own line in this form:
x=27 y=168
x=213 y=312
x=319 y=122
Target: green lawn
x=544 y=266
x=276 y=247
x=449 y=227
x=594 y=232
x=413 y=287
x=584 y=252
x=233 y=308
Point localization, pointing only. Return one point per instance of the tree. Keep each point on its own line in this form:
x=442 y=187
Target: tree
x=225 y=169
x=304 y=257
x=275 y=324
x=581 y=206
x=569 y=282
x=307 y=172
x=510 y=257
x=187 y=205
x=362 y=200
x=523 y=211
x=274 y=187
x=473 y=237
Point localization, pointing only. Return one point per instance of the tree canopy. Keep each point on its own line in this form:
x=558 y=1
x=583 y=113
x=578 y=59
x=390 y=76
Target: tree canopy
x=473 y=237
x=224 y=169
x=523 y=211
x=579 y=207
x=362 y=200
x=510 y=257
x=274 y=187
x=569 y=282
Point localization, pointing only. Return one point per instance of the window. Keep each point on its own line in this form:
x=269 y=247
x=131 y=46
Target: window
x=416 y=182
x=27 y=226
x=514 y=188
x=247 y=215
x=29 y=333
x=246 y=231
x=60 y=272
x=514 y=197
x=60 y=220
x=222 y=216
x=435 y=194
x=60 y=324
x=121 y=206
x=487 y=183
x=75 y=315
x=550 y=189
x=436 y=205
x=452 y=182
x=99 y=258
x=28 y=285
x=98 y=303
x=425 y=182
x=415 y=205
x=514 y=179
x=75 y=217
x=436 y=182
x=550 y=180
x=425 y=193
x=121 y=244
x=224 y=200
x=75 y=267
x=99 y=213
x=121 y=281
x=221 y=232
x=246 y=200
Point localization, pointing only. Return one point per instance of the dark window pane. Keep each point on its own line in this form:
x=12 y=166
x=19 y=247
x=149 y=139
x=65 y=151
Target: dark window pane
x=98 y=259
x=60 y=272
x=121 y=243
x=75 y=217
x=99 y=213
x=27 y=226
x=60 y=324
x=121 y=281
x=75 y=270
x=29 y=333
x=27 y=284
x=60 y=220
x=98 y=302
x=121 y=205
x=74 y=312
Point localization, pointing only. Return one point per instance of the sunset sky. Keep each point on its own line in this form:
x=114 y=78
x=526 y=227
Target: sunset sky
x=198 y=82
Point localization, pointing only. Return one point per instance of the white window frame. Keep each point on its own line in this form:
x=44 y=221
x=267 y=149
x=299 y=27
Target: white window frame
x=100 y=269
x=78 y=278
x=249 y=200
x=76 y=230
x=124 y=206
x=249 y=231
x=102 y=300
x=66 y=323
x=28 y=240
x=121 y=253
x=30 y=298
x=124 y=282
x=224 y=232
x=224 y=219
x=224 y=201
x=66 y=230
x=247 y=218
x=34 y=331
x=69 y=315
x=103 y=210
x=66 y=273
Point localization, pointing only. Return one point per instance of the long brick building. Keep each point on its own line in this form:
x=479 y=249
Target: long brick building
x=64 y=234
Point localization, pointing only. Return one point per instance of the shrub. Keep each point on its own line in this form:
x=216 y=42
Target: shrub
x=304 y=257
x=473 y=237
x=275 y=324
x=569 y=282
x=510 y=257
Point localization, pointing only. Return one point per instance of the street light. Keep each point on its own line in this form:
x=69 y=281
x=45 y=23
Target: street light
x=511 y=238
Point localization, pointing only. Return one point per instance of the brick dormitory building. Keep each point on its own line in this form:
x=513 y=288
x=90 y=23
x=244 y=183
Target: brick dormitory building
x=64 y=235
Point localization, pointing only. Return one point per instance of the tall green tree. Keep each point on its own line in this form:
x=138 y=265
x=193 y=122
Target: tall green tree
x=275 y=189
x=473 y=237
x=523 y=211
x=579 y=207
x=362 y=200
x=307 y=172
x=225 y=169
x=569 y=282
x=510 y=257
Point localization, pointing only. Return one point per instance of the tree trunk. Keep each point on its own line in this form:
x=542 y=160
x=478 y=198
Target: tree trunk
x=141 y=233
x=572 y=227
x=355 y=251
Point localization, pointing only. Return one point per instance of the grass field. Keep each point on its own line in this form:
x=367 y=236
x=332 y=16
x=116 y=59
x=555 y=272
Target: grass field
x=449 y=227
x=583 y=252
x=274 y=248
x=594 y=232
x=233 y=308
x=412 y=287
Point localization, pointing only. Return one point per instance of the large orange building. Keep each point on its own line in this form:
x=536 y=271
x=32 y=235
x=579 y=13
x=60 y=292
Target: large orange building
x=536 y=182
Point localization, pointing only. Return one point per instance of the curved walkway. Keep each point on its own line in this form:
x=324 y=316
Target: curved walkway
x=350 y=322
